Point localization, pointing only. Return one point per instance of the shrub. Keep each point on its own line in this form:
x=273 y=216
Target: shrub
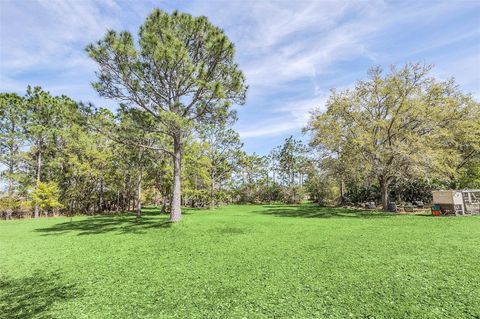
x=294 y=194
x=45 y=195
x=323 y=190
x=13 y=207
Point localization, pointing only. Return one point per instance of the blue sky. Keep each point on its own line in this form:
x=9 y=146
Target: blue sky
x=292 y=52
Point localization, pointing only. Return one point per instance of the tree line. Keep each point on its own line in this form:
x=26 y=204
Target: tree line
x=62 y=156
x=394 y=136
x=398 y=131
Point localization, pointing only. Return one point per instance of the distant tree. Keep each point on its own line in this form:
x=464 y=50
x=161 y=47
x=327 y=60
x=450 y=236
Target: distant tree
x=469 y=176
x=196 y=173
x=464 y=142
x=12 y=135
x=83 y=165
x=400 y=124
x=223 y=151
x=138 y=144
x=181 y=75
x=46 y=119
x=292 y=162
x=273 y=165
x=46 y=196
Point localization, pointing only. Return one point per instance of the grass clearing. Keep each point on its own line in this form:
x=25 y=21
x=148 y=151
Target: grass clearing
x=249 y=261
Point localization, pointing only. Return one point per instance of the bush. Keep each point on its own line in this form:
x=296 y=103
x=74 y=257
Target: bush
x=196 y=197
x=323 y=190
x=257 y=193
x=13 y=207
x=363 y=194
x=294 y=194
x=45 y=195
x=411 y=190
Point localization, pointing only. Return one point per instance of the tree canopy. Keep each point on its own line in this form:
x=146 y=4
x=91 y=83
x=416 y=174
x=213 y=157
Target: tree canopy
x=181 y=75
x=403 y=123
x=395 y=135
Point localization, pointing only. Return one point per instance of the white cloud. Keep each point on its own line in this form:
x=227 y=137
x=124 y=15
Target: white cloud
x=270 y=128
x=282 y=41
x=49 y=33
x=292 y=52
x=287 y=116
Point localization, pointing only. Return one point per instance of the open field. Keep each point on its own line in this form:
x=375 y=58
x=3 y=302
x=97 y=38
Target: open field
x=242 y=261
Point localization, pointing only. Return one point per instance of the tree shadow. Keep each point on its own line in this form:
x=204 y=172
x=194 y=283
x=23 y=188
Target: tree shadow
x=315 y=211
x=107 y=224
x=32 y=297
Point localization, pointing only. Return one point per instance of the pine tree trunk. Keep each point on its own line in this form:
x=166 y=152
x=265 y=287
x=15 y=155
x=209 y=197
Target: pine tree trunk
x=139 y=194
x=175 y=209
x=39 y=167
x=384 y=189
x=129 y=194
x=342 y=192
x=11 y=162
x=212 y=190
x=10 y=179
x=164 y=204
x=118 y=201
x=100 y=202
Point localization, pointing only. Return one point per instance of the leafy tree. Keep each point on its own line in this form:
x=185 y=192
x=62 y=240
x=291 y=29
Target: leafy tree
x=290 y=161
x=400 y=124
x=46 y=118
x=12 y=135
x=464 y=140
x=250 y=178
x=139 y=155
x=223 y=151
x=46 y=196
x=181 y=75
x=292 y=166
x=83 y=167
x=469 y=173
x=195 y=173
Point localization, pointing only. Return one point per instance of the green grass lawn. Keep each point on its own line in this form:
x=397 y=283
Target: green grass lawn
x=242 y=261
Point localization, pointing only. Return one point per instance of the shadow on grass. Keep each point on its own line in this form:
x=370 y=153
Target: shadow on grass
x=115 y=222
x=107 y=224
x=32 y=297
x=315 y=211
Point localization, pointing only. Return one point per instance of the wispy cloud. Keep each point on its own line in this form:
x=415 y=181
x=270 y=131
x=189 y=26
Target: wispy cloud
x=51 y=38
x=290 y=116
x=292 y=52
x=286 y=41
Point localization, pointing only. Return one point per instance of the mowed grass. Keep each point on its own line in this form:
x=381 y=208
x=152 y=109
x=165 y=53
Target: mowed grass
x=242 y=262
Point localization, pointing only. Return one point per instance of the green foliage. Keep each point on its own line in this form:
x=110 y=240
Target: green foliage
x=294 y=194
x=402 y=124
x=260 y=191
x=241 y=261
x=223 y=151
x=409 y=190
x=197 y=197
x=470 y=173
x=323 y=189
x=9 y=203
x=401 y=191
x=278 y=177
x=12 y=136
x=181 y=76
x=12 y=206
x=290 y=161
x=360 y=194
x=46 y=196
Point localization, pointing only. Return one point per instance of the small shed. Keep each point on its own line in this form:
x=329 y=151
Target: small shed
x=471 y=200
x=458 y=202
